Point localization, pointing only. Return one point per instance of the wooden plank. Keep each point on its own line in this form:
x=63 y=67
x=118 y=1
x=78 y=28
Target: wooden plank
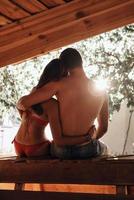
x=4 y=20
x=32 y=6
x=68 y=172
x=58 y=29
x=4 y=195
x=43 y=43
x=11 y=10
x=96 y=189
x=52 y=3
x=74 y=11
x=7 y=186
x=73 y=8
x=44 y=17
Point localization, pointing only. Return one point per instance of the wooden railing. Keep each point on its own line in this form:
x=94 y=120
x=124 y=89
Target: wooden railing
x=98 y=171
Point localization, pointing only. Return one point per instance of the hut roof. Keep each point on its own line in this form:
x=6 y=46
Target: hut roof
x=33 y=27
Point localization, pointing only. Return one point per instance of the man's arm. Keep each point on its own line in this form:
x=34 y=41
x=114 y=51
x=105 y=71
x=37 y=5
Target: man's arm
x=21 y=111
x=42 y=94
x=102 y=120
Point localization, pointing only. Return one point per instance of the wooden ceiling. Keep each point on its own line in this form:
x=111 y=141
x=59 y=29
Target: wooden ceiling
x=33 y=27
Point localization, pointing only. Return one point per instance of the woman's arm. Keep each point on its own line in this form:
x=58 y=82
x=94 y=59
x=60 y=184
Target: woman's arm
x=42 y=94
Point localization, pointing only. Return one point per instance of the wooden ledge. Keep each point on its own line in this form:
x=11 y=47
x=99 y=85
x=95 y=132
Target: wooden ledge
x=100 y=171
x=21 y=195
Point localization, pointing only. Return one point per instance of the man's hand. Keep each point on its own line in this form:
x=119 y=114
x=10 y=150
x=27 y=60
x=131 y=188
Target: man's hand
x=92 y=133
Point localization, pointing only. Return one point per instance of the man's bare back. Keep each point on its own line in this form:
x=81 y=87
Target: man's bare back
x=80 y=103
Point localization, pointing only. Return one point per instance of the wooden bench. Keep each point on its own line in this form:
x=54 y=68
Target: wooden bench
x=117 y=171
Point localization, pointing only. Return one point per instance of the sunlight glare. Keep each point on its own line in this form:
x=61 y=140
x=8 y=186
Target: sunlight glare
x=101 y=84
x=48 y=133
x=96 y=123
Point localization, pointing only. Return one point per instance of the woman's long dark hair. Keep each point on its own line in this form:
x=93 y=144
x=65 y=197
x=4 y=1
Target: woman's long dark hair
x=54 y=71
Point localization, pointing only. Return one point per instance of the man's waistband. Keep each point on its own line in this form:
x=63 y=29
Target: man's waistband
x=82 y=144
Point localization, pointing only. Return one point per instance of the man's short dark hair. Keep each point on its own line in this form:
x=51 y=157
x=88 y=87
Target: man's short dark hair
x=71 y=58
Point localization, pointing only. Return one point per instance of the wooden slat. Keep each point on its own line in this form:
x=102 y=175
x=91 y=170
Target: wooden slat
x=32 y=6
x=55 y=29
x=95 y=189
x=4 y=20
x=27 y=195
x=52 y=3
x=45 y=17
x=68 y=172
x=47 y=24
x=74 y=11
x=12 y=11
x=7 y=186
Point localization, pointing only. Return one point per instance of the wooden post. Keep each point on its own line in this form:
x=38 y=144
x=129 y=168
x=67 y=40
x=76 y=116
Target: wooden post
x=19 y=186
x=121 y=189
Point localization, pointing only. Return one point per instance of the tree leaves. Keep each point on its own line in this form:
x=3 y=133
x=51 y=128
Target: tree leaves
x=109 y=55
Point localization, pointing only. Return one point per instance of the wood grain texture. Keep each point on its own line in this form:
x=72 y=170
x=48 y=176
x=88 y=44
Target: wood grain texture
x=101 y=172
x=61 y=26
x=4 y=20
x=52 y=3
x=32 y=6
x=11 y=10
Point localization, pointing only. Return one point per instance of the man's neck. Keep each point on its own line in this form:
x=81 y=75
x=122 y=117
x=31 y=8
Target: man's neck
x=78 y=71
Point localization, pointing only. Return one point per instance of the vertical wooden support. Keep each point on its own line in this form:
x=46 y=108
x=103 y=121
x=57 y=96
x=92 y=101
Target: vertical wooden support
x=19 y=186
x=42 y=187
x=121 y=189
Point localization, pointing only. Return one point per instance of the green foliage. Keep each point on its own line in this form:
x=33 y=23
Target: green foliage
x=109 y=56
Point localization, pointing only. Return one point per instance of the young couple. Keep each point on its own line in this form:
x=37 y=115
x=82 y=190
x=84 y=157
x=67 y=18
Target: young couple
x=71 y=115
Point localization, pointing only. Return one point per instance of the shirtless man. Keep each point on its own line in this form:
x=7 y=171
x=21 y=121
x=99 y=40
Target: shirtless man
x=80 y=104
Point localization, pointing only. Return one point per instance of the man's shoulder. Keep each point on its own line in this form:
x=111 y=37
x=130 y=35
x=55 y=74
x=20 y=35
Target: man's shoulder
x=96 y=89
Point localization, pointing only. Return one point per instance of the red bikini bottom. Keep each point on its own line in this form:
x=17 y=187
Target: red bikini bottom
x=30 y=150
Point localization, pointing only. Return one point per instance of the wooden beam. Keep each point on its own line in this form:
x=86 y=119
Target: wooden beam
x=105 y=172
x=52 y=21
x=62 y=26
x=6 y=194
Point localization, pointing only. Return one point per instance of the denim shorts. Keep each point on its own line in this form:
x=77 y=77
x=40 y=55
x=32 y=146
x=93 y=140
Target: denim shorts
x=91 y=149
